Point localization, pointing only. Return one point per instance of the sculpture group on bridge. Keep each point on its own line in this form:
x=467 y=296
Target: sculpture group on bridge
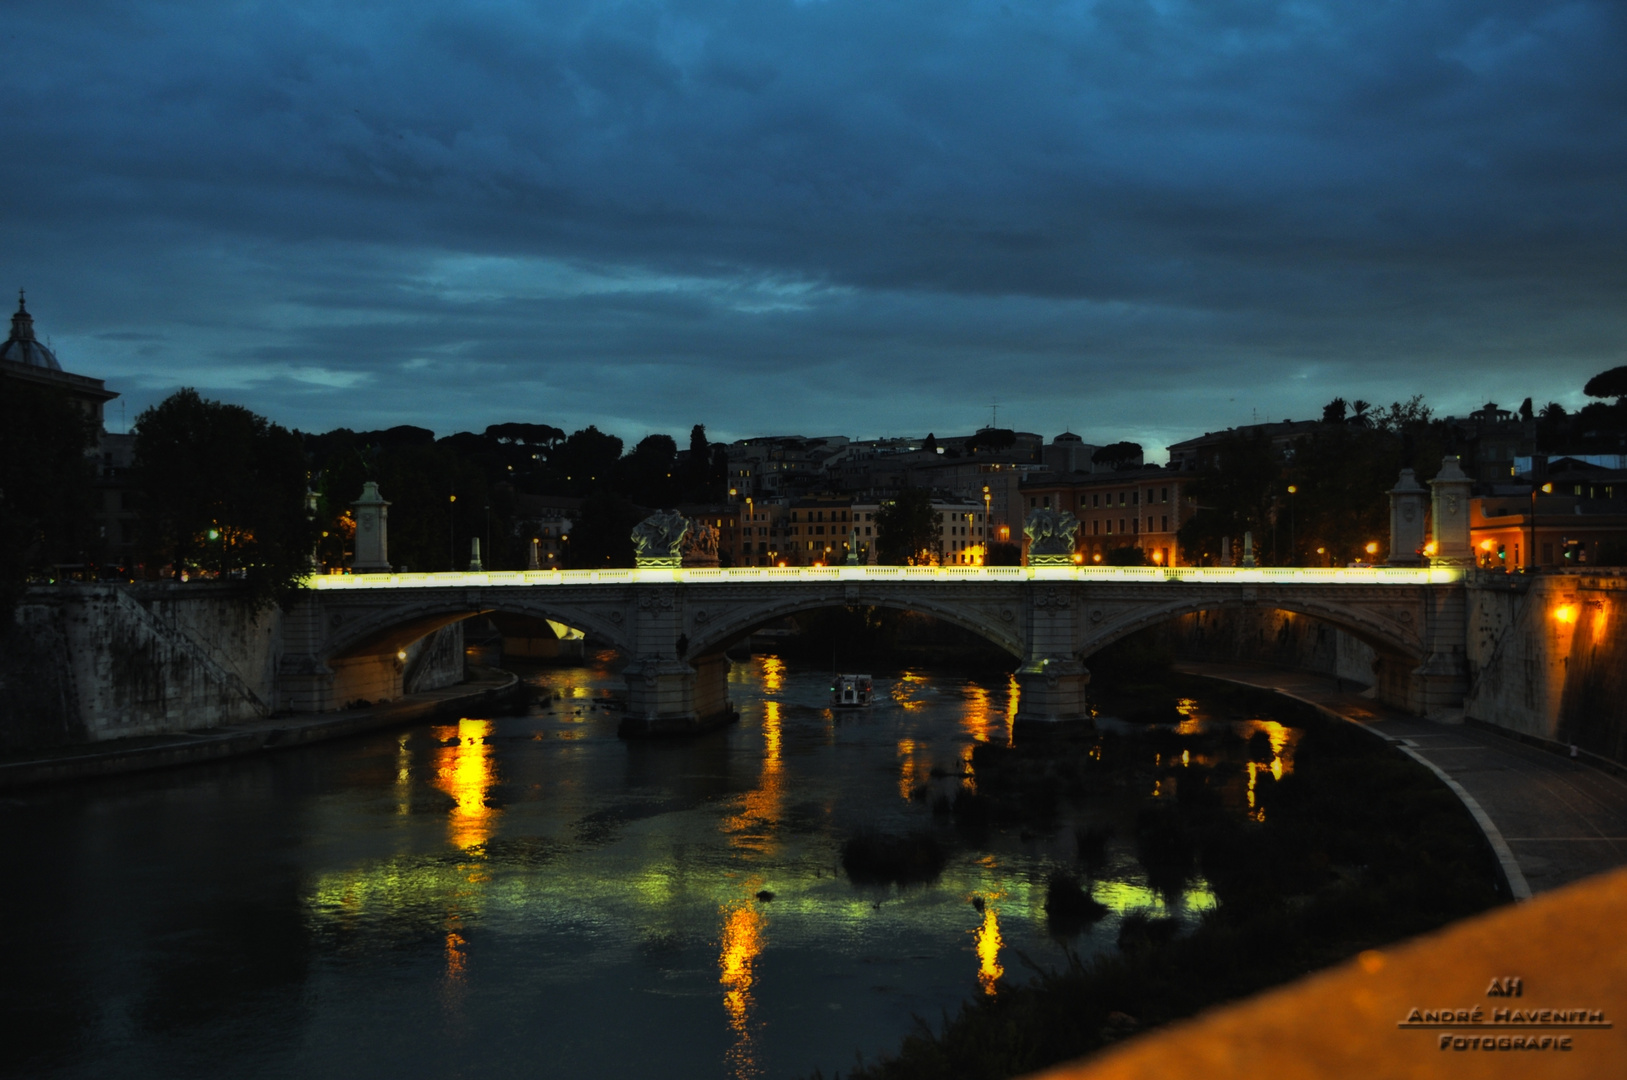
x=658 y=540
x=1052 y=536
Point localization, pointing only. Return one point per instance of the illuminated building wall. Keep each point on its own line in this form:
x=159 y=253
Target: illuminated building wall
x=1141 y=508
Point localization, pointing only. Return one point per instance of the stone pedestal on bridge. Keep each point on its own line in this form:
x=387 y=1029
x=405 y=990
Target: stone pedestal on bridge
x=1408 y=520
x=1449 y=518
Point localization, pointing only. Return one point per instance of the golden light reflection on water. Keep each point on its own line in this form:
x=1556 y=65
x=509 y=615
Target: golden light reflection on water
x=909 y=770
x=977 y=717
x=773 y=674
x=456 y=963
x=1282 y=738
x=1282 y=757
x=988 y=942
x=466 y=772
x=907 y=690
x=752 y=827
x=740 y=943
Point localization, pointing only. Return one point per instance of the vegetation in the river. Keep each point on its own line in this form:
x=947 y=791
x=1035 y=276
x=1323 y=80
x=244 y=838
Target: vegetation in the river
x=878 y=858
x=1354 y=847
x=1069 y=907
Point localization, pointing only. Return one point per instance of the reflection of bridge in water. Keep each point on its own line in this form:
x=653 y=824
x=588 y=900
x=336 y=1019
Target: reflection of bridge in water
x=674 y=625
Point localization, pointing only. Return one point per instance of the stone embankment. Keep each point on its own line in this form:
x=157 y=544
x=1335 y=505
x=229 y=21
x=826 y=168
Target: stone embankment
x=86 y=761
x=83 y=664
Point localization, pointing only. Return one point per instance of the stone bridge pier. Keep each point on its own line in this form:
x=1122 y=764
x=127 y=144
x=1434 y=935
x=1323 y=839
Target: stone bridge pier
x=670 y=689
x=1052 y=681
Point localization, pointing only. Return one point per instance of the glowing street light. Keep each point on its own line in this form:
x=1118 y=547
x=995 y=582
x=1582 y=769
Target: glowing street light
x=1293 y=547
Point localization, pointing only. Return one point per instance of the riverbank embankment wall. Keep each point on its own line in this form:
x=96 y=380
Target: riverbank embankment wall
x=1547 y=657
x=88 y=663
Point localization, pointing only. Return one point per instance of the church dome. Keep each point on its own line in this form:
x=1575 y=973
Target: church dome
x=21 y=348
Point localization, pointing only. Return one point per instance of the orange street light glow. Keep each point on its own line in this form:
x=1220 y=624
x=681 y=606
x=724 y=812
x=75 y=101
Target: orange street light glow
x=1565 y=613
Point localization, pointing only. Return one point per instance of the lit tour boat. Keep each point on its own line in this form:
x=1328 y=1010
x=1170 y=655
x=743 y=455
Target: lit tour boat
x=851 y=691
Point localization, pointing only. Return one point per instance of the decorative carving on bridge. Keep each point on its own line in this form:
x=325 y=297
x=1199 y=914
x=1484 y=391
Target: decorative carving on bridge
x=702 y=617
x=1006 y=614
x=658 y=540
x=661 y=601
x=1052 y=597
x=1051 y=535
x=1095 y=614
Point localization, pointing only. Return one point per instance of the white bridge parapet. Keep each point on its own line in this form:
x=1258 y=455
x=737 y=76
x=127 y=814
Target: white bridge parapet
x=776 y=575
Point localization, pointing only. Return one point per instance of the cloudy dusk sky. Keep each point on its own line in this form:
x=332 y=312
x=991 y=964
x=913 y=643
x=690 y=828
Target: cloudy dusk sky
x=1136 y=219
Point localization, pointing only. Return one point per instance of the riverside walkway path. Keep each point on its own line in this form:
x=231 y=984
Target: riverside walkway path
x=1551 y=819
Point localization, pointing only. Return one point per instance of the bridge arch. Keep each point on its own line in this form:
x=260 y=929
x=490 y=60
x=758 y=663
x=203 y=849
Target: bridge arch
x=983 y=620
x=393 y=627
x=1382 y=635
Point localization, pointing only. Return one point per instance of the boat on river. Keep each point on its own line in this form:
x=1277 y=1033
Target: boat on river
x=851 y=691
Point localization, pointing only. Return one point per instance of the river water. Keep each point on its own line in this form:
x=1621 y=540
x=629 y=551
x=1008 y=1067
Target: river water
x=529 y=895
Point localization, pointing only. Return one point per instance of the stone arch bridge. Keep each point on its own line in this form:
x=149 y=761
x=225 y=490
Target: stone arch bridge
x=674 y=624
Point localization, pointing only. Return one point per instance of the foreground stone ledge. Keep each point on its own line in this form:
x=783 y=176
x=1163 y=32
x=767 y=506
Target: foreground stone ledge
x=1455 y=1003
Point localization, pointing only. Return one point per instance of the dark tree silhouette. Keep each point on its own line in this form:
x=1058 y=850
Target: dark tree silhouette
x=907 y=530
x=223 y=490
x=1608 y=384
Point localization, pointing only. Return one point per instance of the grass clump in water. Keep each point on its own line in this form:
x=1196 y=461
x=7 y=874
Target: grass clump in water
x=1069 y=907
x=877 y=858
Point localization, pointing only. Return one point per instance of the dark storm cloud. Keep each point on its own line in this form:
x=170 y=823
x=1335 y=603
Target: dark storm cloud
x=1135 y=218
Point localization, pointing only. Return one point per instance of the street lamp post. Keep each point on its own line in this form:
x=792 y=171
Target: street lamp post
x=1531 y=553
x=1293 y=547
x=310 y=516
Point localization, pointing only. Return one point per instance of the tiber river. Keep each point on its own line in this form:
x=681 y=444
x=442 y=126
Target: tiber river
x=531 y=896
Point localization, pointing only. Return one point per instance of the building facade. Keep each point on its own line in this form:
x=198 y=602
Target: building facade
x=1133 y=508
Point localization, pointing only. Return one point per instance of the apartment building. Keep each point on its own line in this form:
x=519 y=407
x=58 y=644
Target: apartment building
x=1141 y=508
